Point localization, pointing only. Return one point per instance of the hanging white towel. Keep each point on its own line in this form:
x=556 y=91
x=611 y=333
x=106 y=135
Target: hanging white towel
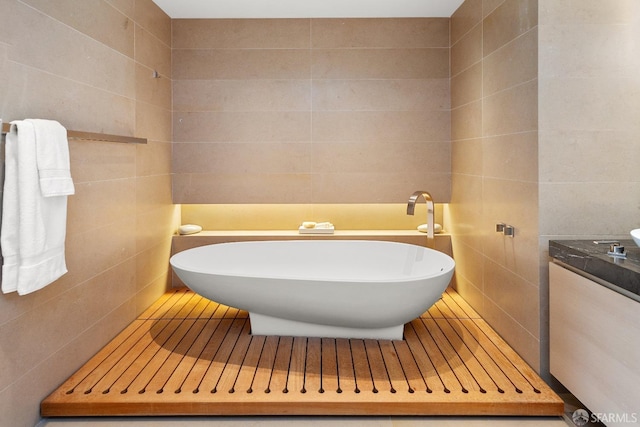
x=40 y=221
x=9 y=231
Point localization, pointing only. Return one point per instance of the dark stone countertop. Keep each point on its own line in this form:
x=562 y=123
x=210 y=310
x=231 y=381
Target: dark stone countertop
x=592 y=258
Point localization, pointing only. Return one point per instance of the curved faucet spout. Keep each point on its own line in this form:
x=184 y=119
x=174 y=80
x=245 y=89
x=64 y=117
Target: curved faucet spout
x=411 y=205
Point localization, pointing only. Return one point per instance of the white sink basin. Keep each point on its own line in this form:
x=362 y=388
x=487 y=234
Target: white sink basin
x=635 y=235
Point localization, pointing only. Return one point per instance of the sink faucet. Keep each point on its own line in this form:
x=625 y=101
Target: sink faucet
x=411 y=207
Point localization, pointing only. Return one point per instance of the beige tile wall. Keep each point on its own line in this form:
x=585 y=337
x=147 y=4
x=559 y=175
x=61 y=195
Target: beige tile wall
x=589 y=94
x=310 y=111
x=589 y=118
x=89 y=65
x=494 y=116
x=544 y=136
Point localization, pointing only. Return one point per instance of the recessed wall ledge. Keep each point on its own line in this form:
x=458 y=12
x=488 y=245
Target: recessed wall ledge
x=290 y=233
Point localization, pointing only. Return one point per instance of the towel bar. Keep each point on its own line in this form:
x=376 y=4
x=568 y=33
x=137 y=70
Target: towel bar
x=74 y=134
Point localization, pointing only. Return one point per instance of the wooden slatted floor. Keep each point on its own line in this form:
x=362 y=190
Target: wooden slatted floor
x=189 y=356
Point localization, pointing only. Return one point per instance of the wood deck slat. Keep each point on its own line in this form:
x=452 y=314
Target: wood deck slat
x=364 y=381
x=280 y=373
x=346 y=378
x=397 y=377
x=295 y=384
x=244 y=377
x=186 y=355
x=329 y=366
x=313 y=365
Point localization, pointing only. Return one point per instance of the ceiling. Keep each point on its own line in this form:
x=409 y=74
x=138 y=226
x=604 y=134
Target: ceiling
x=308 y=8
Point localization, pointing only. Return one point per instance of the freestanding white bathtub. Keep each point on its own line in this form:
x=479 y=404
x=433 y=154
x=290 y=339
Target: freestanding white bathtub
x=319 y=288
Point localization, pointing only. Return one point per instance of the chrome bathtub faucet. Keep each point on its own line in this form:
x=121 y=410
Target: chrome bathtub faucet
x=411 y=205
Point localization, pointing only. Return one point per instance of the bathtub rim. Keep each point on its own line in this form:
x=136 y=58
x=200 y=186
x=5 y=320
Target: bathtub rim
x=449 y=263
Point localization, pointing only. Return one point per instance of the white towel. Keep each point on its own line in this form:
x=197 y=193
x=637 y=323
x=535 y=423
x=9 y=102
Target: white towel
x=52 y=153
x=9 y=231
x=37 y=249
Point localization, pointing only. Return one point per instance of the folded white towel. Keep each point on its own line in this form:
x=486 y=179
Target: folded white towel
x=33 y=226
x=52 y=153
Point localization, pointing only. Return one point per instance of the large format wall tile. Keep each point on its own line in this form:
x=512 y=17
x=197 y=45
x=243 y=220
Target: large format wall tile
x=310 y=111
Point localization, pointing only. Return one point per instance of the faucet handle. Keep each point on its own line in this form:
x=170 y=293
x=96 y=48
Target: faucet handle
x=507 y=230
